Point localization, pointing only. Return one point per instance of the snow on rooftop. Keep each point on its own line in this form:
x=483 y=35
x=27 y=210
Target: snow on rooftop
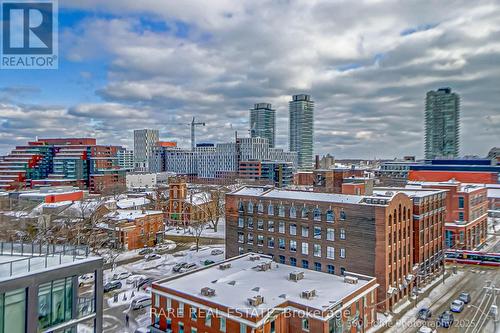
x=408 y=191
x=252 y=191
x=313 y=196
x=234 y=285
x=132 y=202
x=130 y=215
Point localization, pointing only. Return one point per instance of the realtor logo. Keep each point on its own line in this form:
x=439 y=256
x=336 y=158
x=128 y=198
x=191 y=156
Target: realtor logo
x=29 y=35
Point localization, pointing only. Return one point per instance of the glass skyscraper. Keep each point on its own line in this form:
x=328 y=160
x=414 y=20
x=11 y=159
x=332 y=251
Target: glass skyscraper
x=442 y=124
x=301 y=109
x=263 y=122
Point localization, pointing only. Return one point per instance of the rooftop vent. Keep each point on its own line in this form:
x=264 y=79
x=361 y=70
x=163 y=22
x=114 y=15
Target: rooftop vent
x=296 y=276
x=256 y=300
x=225 y=265
x=351 y=279
x=254 y=257
x=308 y=294
x=207 y=291
x=264 y=266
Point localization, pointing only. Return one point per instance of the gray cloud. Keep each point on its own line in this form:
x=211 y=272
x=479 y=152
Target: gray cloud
x=368 y=79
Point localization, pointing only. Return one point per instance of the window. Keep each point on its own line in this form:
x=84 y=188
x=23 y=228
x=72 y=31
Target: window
x=293 y=212
x=270 y=242
x=194 y=330
x=460 y=202
x=260 y=208
x=342 y=233
x=55 y=302
x=317 y=250
x=281 y=243
x=241 y=209
x=304 y=213
x=330 y=234
x=282 y=259
x=250 y=208
x=317 y=232
x=317 y=214
x=305 y=231
x=342 y=253
x=342 y=215
x=250 y=238
x=330 y=216
x=243 y=328
x=342 y=271
x=317 y=266
x=270 y=226
x=330 y=252
x=180 y=310
x=241 y=237
x=330 y=269
x=273 y=327
x=208 y=319
x=305 y=264
x=281 y=227
x=281 y=211
x=250 y=223
x=293 y=262
x=194 y=313
x=293 y=229
x=305 y=248
x=260 y=225
x=222 y=324
x=293 y=245
x=260 y=240
x=305 y=325
x=13 y=311
x=156 y=300
x=460 y=216
x=181 y=327
x=270 y=209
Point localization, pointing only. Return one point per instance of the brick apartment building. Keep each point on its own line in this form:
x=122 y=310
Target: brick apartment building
x=429 y=212
x=332 y=233
x=466 y=219
x=251 y=293
x=134 y=229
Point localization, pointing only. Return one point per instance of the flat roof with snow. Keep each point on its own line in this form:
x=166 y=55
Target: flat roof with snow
x=243 y=279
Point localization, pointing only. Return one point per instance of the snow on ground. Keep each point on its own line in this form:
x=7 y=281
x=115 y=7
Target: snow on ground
x=208 y=232
x=81 y=328
x=125 y=297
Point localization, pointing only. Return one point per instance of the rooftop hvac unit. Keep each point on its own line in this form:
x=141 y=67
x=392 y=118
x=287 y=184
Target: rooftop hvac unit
x=308 y=294
x=296 y=276
x=208 y=291
x=264 y=266
x=351 y=279
x=225 y=265
x=254 y=257
x=256 y=300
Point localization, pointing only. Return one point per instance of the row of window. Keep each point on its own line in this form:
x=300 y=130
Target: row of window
x=304 y=230
x=292 y=246
x=292 y=211
x=305 y=264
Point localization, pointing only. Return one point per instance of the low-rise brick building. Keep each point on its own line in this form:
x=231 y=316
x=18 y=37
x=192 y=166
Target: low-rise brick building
x=326 y=232
x=251 y=293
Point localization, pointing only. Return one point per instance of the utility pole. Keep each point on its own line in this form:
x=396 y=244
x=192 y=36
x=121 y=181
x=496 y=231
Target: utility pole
x=193 y=135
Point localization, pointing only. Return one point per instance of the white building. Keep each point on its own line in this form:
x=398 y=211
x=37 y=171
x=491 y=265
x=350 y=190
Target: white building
x=144 y=143
x=146 y=180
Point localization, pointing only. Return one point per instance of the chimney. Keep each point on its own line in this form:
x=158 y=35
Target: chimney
x=316 y=164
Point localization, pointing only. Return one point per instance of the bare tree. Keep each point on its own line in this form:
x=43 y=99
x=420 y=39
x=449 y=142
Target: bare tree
x=215 y=204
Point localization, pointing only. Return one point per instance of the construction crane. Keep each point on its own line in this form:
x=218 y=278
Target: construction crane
x=193 y=135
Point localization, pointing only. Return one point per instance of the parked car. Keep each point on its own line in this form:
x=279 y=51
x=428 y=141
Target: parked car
x=145 y=251
x=208 y=262
x=216 y=252
x=179 y=254
x=152 y=256
x=424 y=314
x=85 y=279
x=445 y=319
x=135 y=278
x=178 y=266
x=143 y=330
x=425 y=329
x=144 y=282
x=464 y=297
x=188 y=267
x=121 y=276
x=113 y=285
x=140 y=302
x=457 y=306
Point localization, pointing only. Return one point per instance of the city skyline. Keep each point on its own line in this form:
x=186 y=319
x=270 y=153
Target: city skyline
x=368 y=81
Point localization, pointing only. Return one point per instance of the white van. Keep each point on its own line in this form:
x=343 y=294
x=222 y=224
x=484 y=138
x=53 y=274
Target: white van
x=140 y=302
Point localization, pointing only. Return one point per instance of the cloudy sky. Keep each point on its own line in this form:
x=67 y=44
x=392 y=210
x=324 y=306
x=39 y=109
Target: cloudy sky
x=128 y=64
